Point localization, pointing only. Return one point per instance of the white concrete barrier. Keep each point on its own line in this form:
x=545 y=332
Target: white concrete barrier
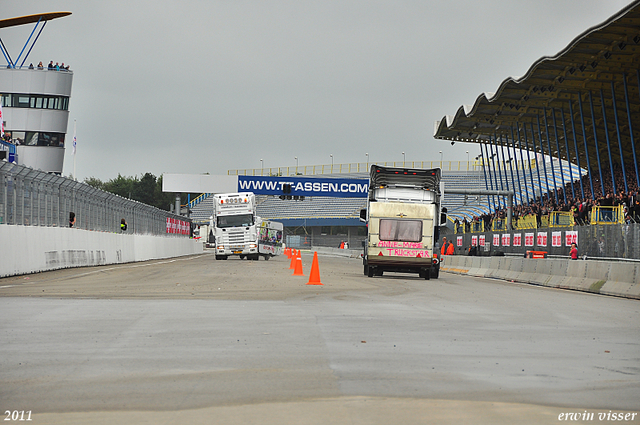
x=608 y=278
x=31 y=249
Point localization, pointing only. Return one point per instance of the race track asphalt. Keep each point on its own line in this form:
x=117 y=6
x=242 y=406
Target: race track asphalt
x=194 y=340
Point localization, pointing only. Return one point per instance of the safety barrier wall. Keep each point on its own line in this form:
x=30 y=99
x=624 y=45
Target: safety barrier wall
x=608 y=278
x=31 y=249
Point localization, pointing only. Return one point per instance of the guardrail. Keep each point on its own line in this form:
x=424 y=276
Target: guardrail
x=607 y=215
x=30 y=197
x=358 y=167
x=561 y=219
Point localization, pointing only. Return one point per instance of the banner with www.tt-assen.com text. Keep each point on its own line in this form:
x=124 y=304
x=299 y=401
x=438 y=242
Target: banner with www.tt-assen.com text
x=304 y=186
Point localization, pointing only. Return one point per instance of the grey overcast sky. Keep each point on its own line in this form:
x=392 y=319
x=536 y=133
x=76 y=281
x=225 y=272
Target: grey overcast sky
x=197 y=86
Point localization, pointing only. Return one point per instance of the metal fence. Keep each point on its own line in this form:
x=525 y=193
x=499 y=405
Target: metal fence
x=594 y=241
x=34 y=198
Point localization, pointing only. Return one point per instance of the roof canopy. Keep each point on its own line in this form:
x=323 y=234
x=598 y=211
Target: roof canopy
x=30 y=19
x=596 y=73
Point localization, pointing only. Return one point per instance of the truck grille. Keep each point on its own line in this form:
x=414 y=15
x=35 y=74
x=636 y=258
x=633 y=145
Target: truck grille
x=236 y=238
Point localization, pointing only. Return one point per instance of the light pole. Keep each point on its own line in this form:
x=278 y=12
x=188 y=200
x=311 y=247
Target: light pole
x=468 y=160
x=296 y=158
x=261 y=167
x=331 y=155
x=440 y=158
x=367 y=155
x=403 y=159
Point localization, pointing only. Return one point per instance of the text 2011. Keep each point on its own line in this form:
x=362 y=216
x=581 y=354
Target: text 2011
x=17 y=415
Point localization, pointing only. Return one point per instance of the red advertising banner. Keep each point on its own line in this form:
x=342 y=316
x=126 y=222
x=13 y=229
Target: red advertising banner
x=556 y=238
x=571 y=236
x=481 y=240
x=542 y=239
x=176 y=226
x=506 y=239
x=517 y=239
x=459 y=241
x=528 y=239
x=474 y=240
x=496 y=240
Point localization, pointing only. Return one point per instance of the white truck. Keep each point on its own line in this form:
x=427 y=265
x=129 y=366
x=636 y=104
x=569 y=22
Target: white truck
x=403 y=219
x=234 y=225
x=237 y=230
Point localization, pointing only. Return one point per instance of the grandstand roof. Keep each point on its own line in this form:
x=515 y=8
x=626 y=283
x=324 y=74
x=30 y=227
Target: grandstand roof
x=599 y=65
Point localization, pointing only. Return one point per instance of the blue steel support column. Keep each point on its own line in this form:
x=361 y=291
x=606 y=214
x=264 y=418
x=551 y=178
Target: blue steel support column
x=615 y=115
x=544 y=163
x=524 y=174
x=566 y=147
x=33 y=44
x=515 y=159
x=553 y=171
x=535 y=150
x=493 y=197
x=495 y=175
x=526 y=144
x=595 y=139
x=575 y=145
x=586 y=150
x=633 y=145
x=29 y=39
x=6 y=54
x=606 y=133
x=504 y=162
x=484 y=171
x=505 y=181
x=555 y=132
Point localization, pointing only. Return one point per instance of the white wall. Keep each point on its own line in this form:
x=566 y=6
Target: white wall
x=30 y=249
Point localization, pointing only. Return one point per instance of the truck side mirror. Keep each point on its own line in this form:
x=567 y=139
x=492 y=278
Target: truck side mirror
x=363 y=215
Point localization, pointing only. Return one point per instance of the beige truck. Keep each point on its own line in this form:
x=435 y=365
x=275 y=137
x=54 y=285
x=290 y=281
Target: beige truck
x=403 y=219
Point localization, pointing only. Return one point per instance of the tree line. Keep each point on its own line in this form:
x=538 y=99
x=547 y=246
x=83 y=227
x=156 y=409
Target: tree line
x=146 y=189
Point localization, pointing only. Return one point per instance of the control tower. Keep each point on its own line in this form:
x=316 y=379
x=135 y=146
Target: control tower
x=35 y=102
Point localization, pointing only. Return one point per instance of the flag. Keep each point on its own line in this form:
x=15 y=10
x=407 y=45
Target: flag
x=74 y=138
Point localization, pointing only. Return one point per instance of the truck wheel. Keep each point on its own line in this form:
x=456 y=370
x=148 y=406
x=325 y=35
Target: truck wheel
x=435 y=273
x=427 y=275
x=242 y=257
x=379 y=272
x=370 y=271
x=366 y=269
x=267 y=257
x=221 y=257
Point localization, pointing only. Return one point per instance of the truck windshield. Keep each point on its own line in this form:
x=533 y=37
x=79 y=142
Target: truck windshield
x=401 y=230
x=240 y=220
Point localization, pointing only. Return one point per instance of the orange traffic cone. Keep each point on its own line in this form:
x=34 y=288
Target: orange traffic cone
x=298 y=269
x=292 y=266
x=314 y=276
x=287 y=252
